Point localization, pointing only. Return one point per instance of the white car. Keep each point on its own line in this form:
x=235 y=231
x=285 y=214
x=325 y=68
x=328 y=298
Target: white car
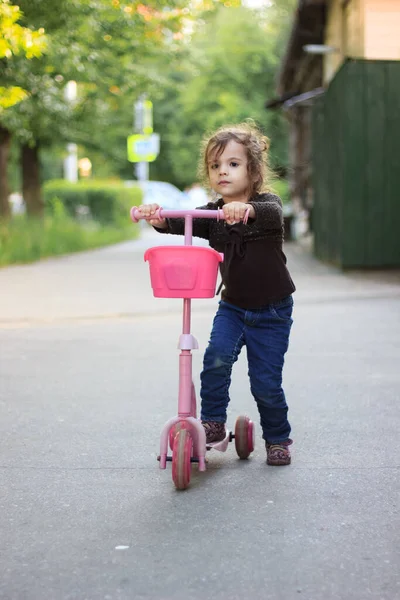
x=169 y=196
x=196 y=196
x=162 y=193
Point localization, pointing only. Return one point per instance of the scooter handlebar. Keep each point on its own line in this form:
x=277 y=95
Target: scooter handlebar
x=162 y=213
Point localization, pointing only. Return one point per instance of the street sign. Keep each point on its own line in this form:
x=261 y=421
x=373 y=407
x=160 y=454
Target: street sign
x=143 y=148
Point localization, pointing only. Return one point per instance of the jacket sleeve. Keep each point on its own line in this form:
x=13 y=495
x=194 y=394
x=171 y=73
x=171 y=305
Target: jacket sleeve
x=269 y=213
x=201 y=227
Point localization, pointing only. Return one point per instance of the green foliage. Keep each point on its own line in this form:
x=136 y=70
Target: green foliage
x=107 y=202
x=225 y=75
x=109 y=47
x=281 y=188
x=43 y=116
x=15 y=40
x=26 y=240
x=65 y=228
x=223 y=72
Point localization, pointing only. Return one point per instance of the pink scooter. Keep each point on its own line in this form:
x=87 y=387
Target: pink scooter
x=189 y=272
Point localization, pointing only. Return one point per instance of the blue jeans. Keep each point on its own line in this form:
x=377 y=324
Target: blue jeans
x=265 y=332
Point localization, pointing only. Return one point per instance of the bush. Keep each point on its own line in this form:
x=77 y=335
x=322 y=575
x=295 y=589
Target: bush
x=106 y=202
x=24 y=240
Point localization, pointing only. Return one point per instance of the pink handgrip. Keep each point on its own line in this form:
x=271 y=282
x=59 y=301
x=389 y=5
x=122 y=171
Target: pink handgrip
x=133 y=215
x=136 y=216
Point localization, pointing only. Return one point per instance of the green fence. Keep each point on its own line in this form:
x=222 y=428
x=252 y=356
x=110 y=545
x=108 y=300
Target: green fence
x=356 y=166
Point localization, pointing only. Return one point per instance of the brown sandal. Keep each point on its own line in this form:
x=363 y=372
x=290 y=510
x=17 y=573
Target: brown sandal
x=215 y=432
x=278 y=454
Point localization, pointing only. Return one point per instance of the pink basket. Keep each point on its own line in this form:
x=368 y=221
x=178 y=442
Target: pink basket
x=183 y=271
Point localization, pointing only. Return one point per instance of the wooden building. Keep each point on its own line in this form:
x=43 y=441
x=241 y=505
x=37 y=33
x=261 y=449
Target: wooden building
x=339 y=85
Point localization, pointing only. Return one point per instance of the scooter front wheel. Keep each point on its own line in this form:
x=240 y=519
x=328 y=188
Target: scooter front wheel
x=174 y=430
x=181 y=459
x=244 y=437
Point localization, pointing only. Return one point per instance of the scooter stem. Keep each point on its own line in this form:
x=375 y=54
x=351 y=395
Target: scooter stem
x=185 y=357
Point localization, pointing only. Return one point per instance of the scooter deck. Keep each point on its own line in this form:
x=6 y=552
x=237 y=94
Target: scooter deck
x=222 y=445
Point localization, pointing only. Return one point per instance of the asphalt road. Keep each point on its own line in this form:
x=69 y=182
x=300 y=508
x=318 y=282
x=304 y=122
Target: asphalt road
x=88 y=376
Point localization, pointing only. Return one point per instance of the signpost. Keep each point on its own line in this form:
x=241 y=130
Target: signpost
x=143 y=147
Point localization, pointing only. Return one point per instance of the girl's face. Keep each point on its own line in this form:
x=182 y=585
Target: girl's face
x=228 y=173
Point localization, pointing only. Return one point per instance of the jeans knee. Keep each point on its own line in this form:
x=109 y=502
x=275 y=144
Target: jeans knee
x=269 y=397
x=215 y=358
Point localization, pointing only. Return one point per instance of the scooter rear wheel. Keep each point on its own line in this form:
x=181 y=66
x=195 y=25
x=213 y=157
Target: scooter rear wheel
x=244 y=437
x=181 y=454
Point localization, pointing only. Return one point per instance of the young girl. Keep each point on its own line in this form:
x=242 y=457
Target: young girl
x=256 y=305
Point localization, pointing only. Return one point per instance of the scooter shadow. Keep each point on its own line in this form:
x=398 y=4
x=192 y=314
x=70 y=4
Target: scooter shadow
x=216 y=463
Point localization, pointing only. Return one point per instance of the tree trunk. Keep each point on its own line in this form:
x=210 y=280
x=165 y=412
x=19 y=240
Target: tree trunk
x=31 y=185
x=5 y=139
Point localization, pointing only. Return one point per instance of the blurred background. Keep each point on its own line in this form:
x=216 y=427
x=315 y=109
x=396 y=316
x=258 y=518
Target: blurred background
x=103 y=104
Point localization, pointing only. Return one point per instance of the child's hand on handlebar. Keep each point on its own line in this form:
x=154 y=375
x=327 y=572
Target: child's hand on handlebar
x=235 y=212
x=147 y=210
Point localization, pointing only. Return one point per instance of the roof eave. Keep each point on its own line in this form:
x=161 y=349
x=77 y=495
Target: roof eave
x=308 y=28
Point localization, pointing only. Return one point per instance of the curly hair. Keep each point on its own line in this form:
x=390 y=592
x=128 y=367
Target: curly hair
x=256 y=145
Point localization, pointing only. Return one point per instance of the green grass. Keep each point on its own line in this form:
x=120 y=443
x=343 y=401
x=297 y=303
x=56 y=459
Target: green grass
x=25 y=240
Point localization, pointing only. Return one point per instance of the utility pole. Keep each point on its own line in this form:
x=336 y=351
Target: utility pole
x=143 y=146
x=139 y=127
x=71 y=161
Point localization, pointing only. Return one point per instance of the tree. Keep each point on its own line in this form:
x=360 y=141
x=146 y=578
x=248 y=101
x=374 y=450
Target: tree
x=224 y=71
x=226 y=74
x=227 y=70
x=15 y=40
x=133 y=61
x=107 y=47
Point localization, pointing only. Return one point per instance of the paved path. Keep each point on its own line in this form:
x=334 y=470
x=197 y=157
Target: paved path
x=114 y=283
x=87 y=378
